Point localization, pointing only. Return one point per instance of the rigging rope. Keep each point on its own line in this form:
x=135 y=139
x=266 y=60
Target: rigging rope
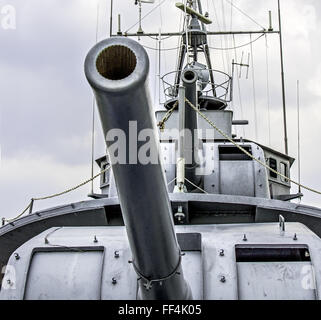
x=240 y=46
x=239 y=85
x=214 y=48
x=197 y=187
x=254 y=91
x=212 y=124
x=161 y=124
x=226 y=39
x=146 y=15
x=219 y=29
x=268 y=87
x=186 y=30
x=299 y=138
x=56 y=195
x=163 y=49
x=231 y=16
x=93 y=115
x=245 y=14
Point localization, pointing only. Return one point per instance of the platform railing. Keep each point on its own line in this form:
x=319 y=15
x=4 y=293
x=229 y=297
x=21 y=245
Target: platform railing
x=223 y=85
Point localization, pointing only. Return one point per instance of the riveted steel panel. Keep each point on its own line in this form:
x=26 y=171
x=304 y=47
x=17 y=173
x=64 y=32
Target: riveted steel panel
x=66 y=275
x=273 y=281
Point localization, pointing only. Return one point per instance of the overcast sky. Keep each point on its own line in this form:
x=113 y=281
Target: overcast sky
x=46 y=103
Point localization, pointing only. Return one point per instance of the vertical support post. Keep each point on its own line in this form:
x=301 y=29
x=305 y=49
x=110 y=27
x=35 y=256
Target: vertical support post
x=180 y=165
x=31 y=206
x=270 y=21
x=283 y=83
x=119 y=26
x=111 y=18
x=299 y=138
x=209 y=65
x=159 y=65
x=199 y=4
x=140 y=29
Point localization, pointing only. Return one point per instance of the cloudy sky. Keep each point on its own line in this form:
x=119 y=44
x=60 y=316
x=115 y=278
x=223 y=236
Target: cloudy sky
x=46 y=103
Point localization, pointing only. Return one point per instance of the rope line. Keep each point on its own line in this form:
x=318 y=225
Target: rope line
x=56 y=195
x=245 y=14
x=194 y=185
x=239 y=84
x=221 y=40
x=157 y=49
x=93 y=113
x=146 y=15
x=161 y=124
x=268 y=86
x=240 y=46
x=248 y=153
x=254 y=90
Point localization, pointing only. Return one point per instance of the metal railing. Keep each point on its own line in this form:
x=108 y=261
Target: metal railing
x=223 y=85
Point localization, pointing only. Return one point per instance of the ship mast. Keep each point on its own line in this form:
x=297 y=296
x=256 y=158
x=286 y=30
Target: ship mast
x=194 y=41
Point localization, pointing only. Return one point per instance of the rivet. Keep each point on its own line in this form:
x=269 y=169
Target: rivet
x=113 y=281
x=116 y=254
x=16 y=255
x=222 y=253
x=295 y=238
x=244 y=238
x=213 y=185
x=223 y=279
x=95 y=239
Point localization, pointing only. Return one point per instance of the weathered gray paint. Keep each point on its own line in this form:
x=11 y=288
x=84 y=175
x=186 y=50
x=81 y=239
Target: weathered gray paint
x=203 y=270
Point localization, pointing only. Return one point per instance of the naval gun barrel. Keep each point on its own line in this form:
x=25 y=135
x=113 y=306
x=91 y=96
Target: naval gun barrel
x=117 y=70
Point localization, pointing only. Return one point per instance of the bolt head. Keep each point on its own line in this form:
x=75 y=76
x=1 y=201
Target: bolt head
x=223 y=279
